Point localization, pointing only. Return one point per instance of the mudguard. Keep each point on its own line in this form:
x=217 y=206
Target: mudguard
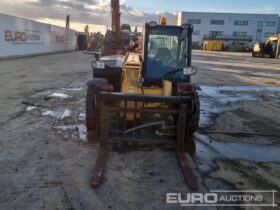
x=95 y=81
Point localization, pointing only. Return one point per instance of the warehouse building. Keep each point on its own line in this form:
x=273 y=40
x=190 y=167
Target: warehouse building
x=230 y=27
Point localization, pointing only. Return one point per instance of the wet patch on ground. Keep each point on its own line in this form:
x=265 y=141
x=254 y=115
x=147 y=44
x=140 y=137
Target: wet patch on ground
x=248 y=175
x=245 y=126
x=235 y=150
x=238 y=143
x=241 y=113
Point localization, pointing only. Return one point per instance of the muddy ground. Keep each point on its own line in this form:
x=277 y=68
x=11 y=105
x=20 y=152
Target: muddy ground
x=46 y=158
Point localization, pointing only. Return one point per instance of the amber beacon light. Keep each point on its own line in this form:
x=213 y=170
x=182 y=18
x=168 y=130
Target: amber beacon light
x=163 y=20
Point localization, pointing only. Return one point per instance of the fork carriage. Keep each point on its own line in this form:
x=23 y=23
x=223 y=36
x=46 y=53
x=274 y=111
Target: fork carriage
x=170 y=126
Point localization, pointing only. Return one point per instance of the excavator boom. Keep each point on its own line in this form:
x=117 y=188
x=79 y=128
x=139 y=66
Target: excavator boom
x=116 y=18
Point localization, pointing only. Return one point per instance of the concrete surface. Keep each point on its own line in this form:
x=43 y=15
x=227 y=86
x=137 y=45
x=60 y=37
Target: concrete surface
x=22 y=77
x=46 y=160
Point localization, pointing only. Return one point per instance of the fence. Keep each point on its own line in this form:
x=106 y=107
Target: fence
x=21 y=37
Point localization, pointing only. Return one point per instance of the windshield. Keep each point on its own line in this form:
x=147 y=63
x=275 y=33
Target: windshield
x=165 y=51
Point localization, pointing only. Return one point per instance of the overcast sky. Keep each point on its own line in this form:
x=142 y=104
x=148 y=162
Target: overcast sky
x=97 y=12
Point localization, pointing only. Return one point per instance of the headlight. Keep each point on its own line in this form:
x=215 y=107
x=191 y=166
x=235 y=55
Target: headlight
x=98 y=65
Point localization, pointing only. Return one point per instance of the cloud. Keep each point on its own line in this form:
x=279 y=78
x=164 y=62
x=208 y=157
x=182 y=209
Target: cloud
x=80 y=11
x=268 y=9
x=263 y=10
x=224 y=10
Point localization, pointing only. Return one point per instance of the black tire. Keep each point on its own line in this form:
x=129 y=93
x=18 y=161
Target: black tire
x=92 y=113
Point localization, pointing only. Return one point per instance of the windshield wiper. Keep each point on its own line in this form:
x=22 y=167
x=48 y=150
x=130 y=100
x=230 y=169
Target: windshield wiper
x=172 y=72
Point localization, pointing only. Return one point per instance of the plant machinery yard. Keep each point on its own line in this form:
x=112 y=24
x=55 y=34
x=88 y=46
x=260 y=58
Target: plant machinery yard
x=46 y=159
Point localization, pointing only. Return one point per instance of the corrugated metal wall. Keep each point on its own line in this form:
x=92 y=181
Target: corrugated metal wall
x=20 y=37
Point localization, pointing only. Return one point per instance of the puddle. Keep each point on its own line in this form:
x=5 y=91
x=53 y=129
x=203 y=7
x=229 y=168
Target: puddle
x=216 y=100
x=273 y=95
x=75 y=89
x=50 y=113
x=42 y=94
x=66 y=113
x=210 y=150
x=59 y=95
x=82 y=132
x=221 y=96
x=74 y=131
x=82 y=116
x=249 y=88
x=30 y=108
x=58 y=114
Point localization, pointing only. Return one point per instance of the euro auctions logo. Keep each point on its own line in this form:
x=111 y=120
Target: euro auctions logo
x=15 y=36
x=234 y=198
x=24 y=37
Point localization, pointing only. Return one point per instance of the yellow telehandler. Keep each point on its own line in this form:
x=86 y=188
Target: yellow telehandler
x=146 y=97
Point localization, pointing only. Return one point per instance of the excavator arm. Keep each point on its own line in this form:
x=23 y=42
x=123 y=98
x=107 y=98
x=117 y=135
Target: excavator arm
x=278 y=48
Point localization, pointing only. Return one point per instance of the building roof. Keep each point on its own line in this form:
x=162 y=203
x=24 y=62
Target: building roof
x=228 y=13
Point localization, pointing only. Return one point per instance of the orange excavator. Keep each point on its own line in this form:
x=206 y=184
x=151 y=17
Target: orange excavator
x=118 y=37
x=116 y=18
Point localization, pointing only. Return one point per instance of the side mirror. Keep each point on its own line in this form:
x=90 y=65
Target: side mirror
x=96 y=55
x=190 y=70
